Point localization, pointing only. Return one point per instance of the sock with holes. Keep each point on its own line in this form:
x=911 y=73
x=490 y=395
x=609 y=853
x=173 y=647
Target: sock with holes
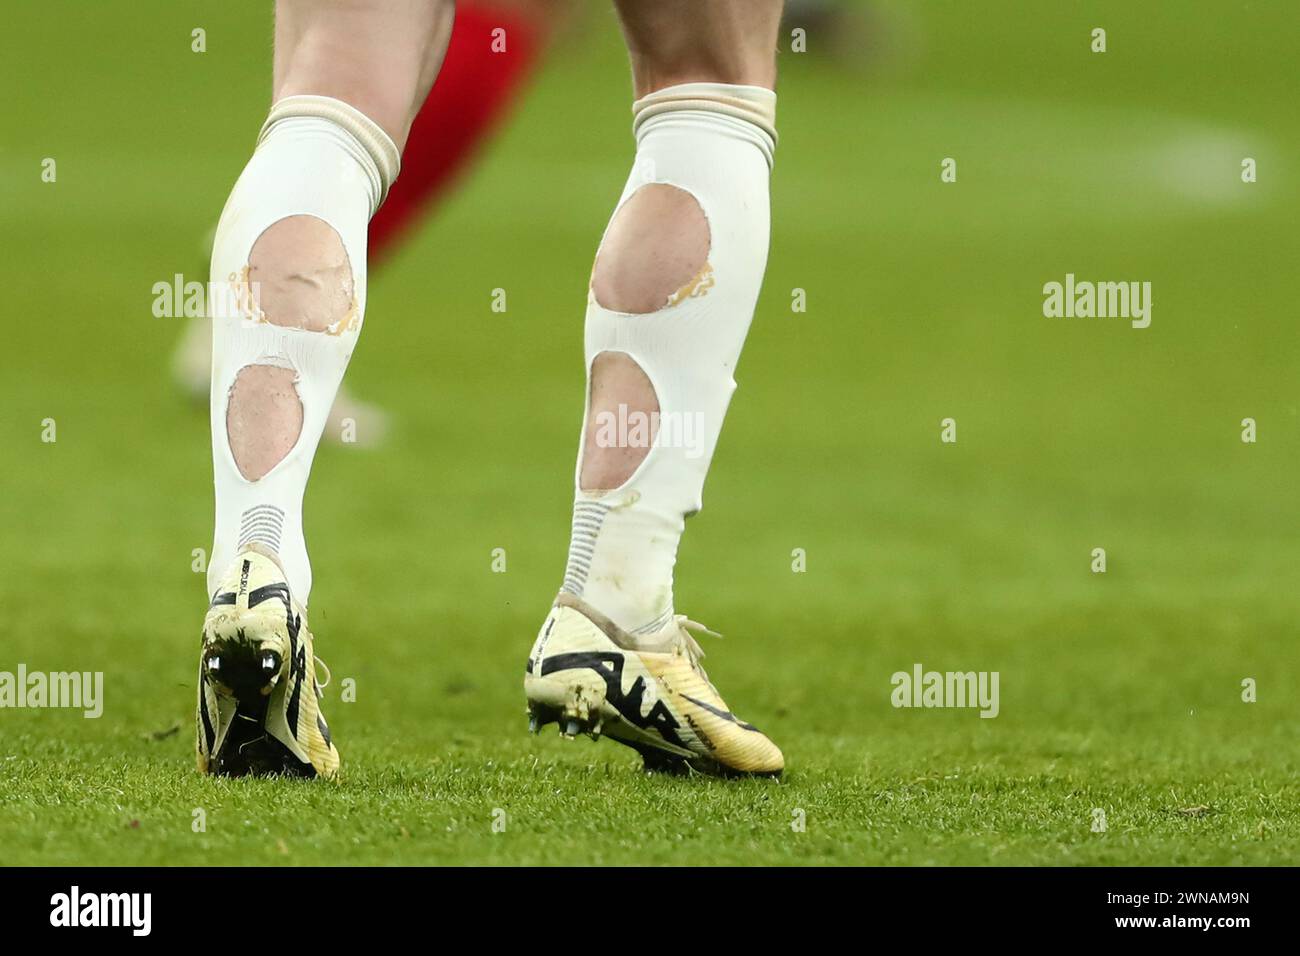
x=316 y=157
x=716 y=142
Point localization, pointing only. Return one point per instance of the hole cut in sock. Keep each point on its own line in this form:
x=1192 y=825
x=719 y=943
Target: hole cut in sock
x=655 y=251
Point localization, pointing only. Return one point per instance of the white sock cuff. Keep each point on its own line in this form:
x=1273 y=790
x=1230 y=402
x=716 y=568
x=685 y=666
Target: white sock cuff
x=384 y=161
x=753 y=106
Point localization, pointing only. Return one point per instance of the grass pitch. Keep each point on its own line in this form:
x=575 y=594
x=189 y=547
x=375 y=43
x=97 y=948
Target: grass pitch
x=1120 y=692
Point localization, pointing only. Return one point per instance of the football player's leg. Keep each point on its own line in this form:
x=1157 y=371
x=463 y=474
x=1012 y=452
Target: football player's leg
x=672 y=294
x=289 y=262
x=673 y=290
x=494 y=51
x=291 y=246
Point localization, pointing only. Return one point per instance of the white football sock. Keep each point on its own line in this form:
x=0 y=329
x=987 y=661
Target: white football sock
x=716 y=142
x=318 y=157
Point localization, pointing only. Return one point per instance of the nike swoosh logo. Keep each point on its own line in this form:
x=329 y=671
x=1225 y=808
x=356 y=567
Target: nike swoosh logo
x=724 y=714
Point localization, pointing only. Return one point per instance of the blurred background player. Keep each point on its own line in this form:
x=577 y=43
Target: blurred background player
x=672 y=294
